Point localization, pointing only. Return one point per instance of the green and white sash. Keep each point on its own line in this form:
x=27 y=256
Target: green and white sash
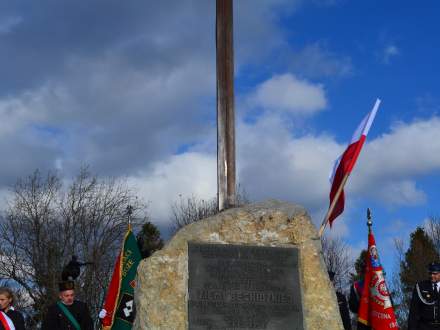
x=69 y=315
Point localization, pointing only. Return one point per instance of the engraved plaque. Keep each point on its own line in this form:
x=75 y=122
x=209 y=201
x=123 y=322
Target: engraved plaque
x=240 y=287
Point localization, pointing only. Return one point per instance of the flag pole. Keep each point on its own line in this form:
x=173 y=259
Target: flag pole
x=333 y=204
x=129 y=213
x=369 y=222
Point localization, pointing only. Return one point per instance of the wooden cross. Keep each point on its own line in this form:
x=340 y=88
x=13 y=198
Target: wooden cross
x=225 y=106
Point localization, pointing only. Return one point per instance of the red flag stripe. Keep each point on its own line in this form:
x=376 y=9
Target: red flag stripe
x=112 y=294
x=345 y=164
x=6 y=321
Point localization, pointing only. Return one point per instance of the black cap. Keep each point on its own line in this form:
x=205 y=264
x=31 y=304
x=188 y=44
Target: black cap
x=434 y=267
x=66 y=285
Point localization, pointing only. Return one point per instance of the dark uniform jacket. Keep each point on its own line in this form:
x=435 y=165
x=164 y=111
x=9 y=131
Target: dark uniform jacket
x=55 y=319
x=354 y=302
x=343 y=310
x=424 y=310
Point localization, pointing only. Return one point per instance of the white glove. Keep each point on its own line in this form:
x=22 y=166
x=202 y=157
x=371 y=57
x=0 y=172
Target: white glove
x=102 y=313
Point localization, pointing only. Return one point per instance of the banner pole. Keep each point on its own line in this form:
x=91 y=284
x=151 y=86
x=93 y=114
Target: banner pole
x=369 y=222
x=333 y=204
x=129 y=213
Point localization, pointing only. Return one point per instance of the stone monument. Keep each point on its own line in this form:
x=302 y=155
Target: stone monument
x=255 y=267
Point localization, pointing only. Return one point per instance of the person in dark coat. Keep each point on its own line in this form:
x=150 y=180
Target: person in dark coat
x=6 y=306
x=425 y=303
x=342 y=303
x=354 y=302
x=73 y=269
x=67 y=313
x=5 y=322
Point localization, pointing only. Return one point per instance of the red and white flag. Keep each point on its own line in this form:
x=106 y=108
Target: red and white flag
x=375 y=309
x=345 y=163
x=6 y=322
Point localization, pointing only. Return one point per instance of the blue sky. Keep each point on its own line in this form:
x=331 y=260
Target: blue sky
x=129 y=89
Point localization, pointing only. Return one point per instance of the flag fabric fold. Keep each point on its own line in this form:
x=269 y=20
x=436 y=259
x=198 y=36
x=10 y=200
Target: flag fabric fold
x=375 y=309
x=345 y=163
x=119 y=302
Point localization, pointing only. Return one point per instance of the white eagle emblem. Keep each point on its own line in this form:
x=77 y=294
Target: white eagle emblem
x=379 y=290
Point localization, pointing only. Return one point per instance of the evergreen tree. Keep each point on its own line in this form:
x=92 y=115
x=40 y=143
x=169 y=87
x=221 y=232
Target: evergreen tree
x=413 y=268
x=359 y=266
x=149 y=240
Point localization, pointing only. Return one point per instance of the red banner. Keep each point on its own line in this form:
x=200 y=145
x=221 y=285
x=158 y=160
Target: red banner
x=376 y=309
x=112 y=295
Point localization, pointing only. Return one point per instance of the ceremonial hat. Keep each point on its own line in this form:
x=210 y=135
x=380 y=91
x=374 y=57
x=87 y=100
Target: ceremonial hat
x=434 y=267
x=66 y=285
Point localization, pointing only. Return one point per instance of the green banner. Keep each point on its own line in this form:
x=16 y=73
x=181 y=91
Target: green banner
x=125 y=311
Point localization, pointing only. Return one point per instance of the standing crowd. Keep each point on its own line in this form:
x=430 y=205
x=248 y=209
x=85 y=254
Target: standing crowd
x=70 y=314
x=9 y=317
x=66 y=314
x=424 y=311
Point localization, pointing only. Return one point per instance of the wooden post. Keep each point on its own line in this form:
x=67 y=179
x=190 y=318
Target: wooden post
x=225 y=106
x=333 y=204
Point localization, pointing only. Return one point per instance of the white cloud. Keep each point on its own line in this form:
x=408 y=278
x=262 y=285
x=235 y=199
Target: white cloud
x=122 y=105
x=92 y=118
x=5 y=195
x=428 y=104
x=129 y=93
x=390 y=165
x=273 y=163
x=390 y=52
x=254 y=23
x=315 y=60
x=289 y=94
x=296 y=168
x=9 y=23
x=402 y=192
x=18 y=112
x=181 y=175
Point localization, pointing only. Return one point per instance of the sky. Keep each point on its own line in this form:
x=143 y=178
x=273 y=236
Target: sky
x=129 y=89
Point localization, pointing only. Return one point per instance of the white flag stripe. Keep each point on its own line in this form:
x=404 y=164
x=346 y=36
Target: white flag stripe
x=365 y=124
x=335 y=167
x=8 y=320
x=371 y=117
x=362 y=129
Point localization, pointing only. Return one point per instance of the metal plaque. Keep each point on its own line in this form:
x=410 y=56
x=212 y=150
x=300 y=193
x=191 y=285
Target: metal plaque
x=241 y=287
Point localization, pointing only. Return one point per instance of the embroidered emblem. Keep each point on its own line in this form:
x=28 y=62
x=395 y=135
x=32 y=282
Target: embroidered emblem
x=374 y=256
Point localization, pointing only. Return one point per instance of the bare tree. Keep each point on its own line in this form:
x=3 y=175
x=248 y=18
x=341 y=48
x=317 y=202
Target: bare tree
x=338 y=259
x=432 y=228
x=193 y=209
x=28 y=234
x=190 y=210
x=400 y=303
x=45 y=224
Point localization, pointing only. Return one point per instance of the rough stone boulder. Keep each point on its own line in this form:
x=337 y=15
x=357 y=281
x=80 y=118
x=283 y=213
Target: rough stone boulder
x=162 y=280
